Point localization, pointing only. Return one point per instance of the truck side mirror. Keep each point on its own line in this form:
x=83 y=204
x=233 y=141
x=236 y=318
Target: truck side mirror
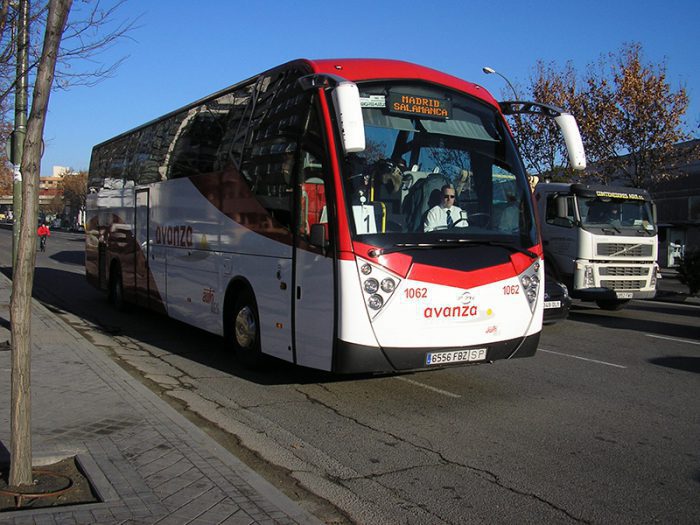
x=561 y=208
x=561 y=212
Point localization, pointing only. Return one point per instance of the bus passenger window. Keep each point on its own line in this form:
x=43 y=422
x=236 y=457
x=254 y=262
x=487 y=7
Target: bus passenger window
x=312 y=207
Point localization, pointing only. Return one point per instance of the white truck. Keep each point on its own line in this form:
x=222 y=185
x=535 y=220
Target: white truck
x=600 y=241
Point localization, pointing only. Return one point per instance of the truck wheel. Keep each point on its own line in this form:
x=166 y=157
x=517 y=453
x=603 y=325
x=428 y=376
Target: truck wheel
x=243 y=330
x=612 y=304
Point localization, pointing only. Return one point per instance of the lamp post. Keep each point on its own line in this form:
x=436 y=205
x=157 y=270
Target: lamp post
x=21 y=92
x=492 y=71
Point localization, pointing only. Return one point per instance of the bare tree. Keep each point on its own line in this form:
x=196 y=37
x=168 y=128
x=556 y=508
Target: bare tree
x=93 y=28
x=23 y=277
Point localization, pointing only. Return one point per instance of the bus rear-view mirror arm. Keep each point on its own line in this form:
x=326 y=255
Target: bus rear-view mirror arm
x=565 y=121
x=348 y=110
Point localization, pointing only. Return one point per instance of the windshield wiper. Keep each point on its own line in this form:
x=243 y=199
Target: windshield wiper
x=450 y=243
x=607 y=230
x=403 y=246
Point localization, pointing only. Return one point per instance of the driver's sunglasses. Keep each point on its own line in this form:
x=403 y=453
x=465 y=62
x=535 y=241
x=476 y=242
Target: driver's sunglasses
x=448 y=196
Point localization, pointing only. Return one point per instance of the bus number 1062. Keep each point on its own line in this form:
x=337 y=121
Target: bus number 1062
x=416 y=293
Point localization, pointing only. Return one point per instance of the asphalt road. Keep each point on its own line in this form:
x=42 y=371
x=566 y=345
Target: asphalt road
x=601 y=426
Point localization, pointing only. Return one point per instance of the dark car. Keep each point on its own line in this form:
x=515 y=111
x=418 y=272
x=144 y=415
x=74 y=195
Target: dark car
x=556 y=300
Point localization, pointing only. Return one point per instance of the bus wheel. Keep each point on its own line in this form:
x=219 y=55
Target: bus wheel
x=245 y=332
x=611 y=305
x=116 y=290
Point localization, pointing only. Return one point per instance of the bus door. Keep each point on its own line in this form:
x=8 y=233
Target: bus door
x=141 y=250
x=314 y=289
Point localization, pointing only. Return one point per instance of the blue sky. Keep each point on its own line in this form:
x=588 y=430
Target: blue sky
x=183 y=50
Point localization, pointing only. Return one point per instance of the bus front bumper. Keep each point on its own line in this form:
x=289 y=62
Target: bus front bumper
x=350 y=358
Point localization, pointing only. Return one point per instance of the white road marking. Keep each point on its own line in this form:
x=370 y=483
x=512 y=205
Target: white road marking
x=581 y=358
x=674 y=339
x=432 y=388
x=667 y=303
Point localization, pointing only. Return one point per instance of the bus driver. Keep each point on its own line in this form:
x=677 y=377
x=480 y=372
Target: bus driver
x=445 y=215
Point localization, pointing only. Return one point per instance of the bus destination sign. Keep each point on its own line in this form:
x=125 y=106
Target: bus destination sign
x=428 y=107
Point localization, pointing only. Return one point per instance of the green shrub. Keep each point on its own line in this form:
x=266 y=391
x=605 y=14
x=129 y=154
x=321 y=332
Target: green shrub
x=689 y=271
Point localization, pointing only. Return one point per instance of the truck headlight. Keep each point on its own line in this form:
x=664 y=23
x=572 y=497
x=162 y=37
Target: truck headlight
x=588 y=279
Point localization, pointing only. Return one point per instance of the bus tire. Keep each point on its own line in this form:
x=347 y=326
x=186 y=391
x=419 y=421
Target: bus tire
x=116 y=289
x=244 y=329
x=611 y=305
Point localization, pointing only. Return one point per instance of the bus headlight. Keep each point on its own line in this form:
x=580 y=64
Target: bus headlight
x=388 y=285
x=530 y=283
x=371 y=285
x=378 y=289
x=375 y=302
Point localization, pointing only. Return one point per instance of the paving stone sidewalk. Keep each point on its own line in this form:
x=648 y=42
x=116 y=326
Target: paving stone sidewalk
x=147 y=461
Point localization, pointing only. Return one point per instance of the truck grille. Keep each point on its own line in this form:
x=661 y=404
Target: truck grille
x=622 y=285
x=624 y=271
x=624 y=250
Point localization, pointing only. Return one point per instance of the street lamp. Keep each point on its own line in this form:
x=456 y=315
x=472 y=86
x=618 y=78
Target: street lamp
x=492 y=71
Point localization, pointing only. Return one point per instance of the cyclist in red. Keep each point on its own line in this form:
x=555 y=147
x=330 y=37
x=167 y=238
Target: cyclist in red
x=43 y=232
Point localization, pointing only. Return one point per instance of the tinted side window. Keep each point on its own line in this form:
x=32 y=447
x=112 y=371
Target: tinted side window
x=276 y=122
x=210 y=135
x=551 y=211
x=202 y=139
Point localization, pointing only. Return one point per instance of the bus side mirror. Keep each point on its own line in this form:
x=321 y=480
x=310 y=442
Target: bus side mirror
x=572 y=138
x=318 y=235
x=346 y=99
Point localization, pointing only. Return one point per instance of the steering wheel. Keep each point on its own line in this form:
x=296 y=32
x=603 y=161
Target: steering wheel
x=455 y=223
x=484 y=218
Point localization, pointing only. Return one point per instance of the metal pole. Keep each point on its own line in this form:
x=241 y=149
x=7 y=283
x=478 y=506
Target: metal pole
x=21 y=96
x=492 y=71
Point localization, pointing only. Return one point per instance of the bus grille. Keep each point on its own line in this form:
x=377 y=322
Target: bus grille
x=624 y=271
x=624 y=250
x=622 y=285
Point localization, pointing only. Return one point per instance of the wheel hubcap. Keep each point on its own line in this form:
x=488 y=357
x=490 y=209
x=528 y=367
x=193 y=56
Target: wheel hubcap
x=245 y=327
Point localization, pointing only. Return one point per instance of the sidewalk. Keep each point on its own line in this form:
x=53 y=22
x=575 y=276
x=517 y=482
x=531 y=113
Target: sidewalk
x=148 y=463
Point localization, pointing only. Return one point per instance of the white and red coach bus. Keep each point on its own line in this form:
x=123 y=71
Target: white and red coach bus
x=288 y=214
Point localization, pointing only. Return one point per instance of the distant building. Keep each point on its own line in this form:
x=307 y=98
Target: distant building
x=678 y=208
x=49 y=188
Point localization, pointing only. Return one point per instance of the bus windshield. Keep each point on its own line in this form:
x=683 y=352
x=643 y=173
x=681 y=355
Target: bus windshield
x=599 y=213
x=437 y=164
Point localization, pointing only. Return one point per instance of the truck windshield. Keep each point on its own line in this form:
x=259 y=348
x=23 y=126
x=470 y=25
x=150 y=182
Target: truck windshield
x=437 y=164
x=616 y=213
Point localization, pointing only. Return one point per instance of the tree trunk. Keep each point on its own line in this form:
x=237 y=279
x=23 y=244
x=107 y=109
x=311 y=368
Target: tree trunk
x=23 y=277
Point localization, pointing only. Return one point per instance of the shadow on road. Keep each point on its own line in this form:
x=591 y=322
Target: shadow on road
x=688 y=364
x=624 y=320
x=70 y=257
x=62 y=291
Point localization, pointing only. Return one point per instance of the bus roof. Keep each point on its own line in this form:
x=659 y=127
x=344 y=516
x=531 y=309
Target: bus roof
x=353 y=69
x=358 y=69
